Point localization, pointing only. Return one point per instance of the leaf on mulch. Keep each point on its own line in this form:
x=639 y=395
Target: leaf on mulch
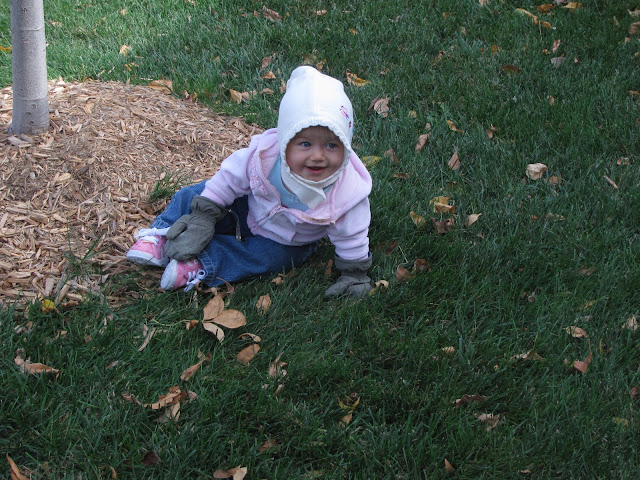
x=31 y=368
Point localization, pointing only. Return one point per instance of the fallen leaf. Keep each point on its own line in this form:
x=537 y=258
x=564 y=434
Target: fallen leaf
x=111 y=365
x=510 y=69
x=30 y=368
x=150 y=458
x=47 y=306
x=174 y=396
x=448 y=350
x=447 y=466
x=401 y=175
x=15 y=471
x=634 y=392
x=380 y=285
x=246 y=354
x=230 y=319
x=417 y=219
x=215 y=329
x=353 y=79
x=235 y=96
x=631 y=324
x=491 y=130
x=165 y=86
x=266 y=61
x=269 y=444
x=471 y=219
x=621 y=422
x=131 y=398
x=403 y=275
x=572 y=5
x=213 y=308
x=545 y=7
x=5 y=49
x=634 y=13
x=611 y=182
x=124 y=50
x=150 y=332
x=490 y=419
x=263 y=303
x=553 y=180
x=454 y=161
x=452 y=126
x=556 y=44
x=442 y=226
x=576 y=332
x=530 y=355
x=467 y=399
x=536 y=170
x=422 y=141
x=268 y=76
x=171 y=414
x=271 y=15
x=380 y=106
x=580 y=366
x=557 y=61
x=255 y=338
x=370 y=160
x=276 y=368
x=191 y=324
x=190 y=372
x=634 y=28
x=392 y=155
x=237 y=473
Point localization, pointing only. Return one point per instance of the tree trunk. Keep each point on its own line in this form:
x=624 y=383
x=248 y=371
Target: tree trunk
x=29 y=68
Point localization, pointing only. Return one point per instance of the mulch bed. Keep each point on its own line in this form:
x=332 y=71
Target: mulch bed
x=79 y=192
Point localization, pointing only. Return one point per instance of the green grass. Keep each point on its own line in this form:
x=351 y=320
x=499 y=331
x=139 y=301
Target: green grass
x=385 y=350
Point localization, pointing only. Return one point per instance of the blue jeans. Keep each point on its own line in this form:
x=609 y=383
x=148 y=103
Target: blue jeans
x=226 y=257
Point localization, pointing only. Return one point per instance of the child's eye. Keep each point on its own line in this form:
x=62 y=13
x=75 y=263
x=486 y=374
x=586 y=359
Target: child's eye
x=305 y=144
x=332 y=145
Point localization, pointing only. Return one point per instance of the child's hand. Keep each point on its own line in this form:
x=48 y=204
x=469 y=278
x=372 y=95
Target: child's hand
x=191 y=233
x=353 y=280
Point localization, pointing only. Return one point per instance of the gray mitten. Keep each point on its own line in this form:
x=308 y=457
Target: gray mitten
x=191 y=233
x=353 y=280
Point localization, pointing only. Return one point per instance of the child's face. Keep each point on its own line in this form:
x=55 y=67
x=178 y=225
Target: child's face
x=315 y=153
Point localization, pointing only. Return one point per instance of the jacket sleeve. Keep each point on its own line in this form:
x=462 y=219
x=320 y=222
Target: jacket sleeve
x=350 y=233
x=232 y=180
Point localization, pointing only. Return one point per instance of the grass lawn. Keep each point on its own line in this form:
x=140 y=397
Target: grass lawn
x=544 y=255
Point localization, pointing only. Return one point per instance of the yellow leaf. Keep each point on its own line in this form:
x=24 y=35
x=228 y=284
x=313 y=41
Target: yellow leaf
x=448 y=350
x=48 y=306
x=353 y=79
x=124 y=49
x=572 y=5
x=235 y=96
x=369 y=161
x=5 y=49
x=165 y=86
x=417 y=219
x=453 y=127
x=268 y=76
x=440 y=204
x=230 y=319
x=246 y=354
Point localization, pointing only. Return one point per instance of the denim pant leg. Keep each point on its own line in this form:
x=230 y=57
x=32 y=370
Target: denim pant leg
x=180 y=204
x=226 y=258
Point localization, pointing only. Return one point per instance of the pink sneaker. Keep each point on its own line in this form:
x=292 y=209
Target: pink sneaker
x=181 y=274
x=149 y=250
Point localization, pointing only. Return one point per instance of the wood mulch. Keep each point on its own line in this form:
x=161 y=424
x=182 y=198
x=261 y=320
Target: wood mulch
x=78 y=193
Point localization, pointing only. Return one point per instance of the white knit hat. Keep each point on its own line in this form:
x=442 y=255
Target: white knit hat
x=313 y=99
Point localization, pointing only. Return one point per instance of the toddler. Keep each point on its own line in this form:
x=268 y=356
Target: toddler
x=268 y=205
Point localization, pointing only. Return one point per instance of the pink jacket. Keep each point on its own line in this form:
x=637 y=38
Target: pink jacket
x=344 y=216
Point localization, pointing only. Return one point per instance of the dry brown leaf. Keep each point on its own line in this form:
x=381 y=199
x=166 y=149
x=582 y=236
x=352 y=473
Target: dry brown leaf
x=545 y=7
x=171 y=414
x=150 y=458
x=255 y=338
x=530 y=355
x=447 y=466
x=149 y=333
x=266 y=61
x=124 y=50
x=572 y=5
x=611 y=182
x=392 y=155
x=556 y=45
x=510 y=69
x=30 y=368
x=381 y=106
x=230 y=319
x=174 y=396
x=276 y=368
x=263 y=303
x=442 y=226
x=471 y=219
x=131 y=398
x=631 y=324
x=353 y=79
x=491 y=131
x=269 y=444
x=111 y=365
x=189 y=372
x=467 y=399
x=422 y=141
x=576 y=332
x=162 y=85
x=452 y=126
x=246 y=354
x=448 y=350
x=236 y=96
x=237 y=473
x=271 y=15
x=14 y=470
x=580 y=366
x=557 y=61
x=191 y=324
x=490 y=419
x=454 y=161
x=279 y=280
x=215 y=329
x=536 y=170
x=380 y=285
x=268 y=76
x=279 y=389
x=403 y=275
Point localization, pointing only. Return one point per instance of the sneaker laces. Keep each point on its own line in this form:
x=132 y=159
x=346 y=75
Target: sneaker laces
x=193 y=278
x=151 y=234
